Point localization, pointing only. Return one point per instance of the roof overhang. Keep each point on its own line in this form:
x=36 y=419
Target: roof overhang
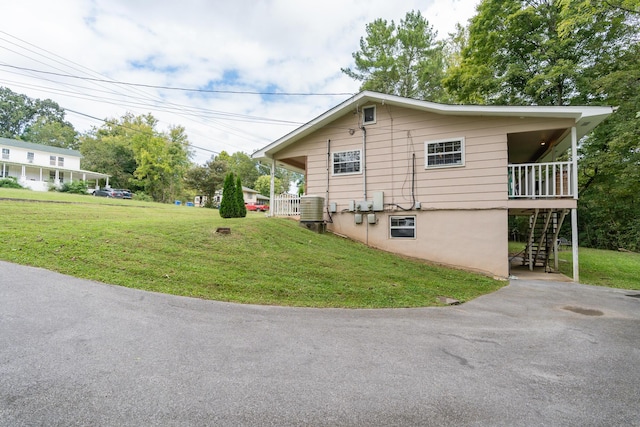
x=586 y=117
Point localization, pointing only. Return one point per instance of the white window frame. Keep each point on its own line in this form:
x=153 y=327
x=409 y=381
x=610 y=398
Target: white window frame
x=369 y=122
x=333 y=162
x=443 y=141
x=30 y=157
x=6 y=153
x=52 y=160
x=402 y=227
x=61 y=161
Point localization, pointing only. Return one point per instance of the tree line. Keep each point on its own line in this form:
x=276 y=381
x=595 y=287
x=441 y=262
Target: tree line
x=155 y=165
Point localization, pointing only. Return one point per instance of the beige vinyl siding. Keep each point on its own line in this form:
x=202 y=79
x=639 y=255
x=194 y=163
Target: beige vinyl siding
x=390 y=144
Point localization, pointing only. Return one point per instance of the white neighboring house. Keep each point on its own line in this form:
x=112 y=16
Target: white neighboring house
x=38 y=166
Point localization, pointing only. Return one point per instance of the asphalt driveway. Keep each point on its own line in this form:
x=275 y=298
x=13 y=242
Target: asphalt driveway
x=75 y=352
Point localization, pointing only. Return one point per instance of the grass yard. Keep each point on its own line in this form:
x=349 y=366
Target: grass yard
x=599 y=267
x=175 y=250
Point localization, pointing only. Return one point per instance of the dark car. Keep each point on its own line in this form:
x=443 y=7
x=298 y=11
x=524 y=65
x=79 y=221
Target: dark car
x=126 y=194
x=108 y=192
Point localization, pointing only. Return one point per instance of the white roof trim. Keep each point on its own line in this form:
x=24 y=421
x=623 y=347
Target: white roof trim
x=586 y=117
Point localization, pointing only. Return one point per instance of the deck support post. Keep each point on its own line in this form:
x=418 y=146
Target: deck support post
x=574 y=244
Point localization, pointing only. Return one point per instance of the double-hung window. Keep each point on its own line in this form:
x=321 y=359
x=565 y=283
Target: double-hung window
x=402 y=227
x=30 y=157
x=52 y=160
x=444 y=153
x=61 y=161
x=347 y=162
x=5 y=154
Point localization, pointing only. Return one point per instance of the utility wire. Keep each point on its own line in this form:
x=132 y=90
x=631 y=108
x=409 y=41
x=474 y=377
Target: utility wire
x=236 y=92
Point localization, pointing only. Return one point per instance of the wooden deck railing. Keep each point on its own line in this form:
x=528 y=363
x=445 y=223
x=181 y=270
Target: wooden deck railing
x=541 y=180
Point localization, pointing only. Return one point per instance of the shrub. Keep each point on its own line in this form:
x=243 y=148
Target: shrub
x=143 y=197
x=241 y=209
x=9 y=182
x=75 y=187
x=228 y=203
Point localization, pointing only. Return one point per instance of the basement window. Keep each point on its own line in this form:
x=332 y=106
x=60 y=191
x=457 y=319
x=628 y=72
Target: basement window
x=402 y=227
x=346 y=162
x=444 y=153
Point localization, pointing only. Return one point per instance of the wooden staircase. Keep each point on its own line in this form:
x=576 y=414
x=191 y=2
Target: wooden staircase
x=544 y=226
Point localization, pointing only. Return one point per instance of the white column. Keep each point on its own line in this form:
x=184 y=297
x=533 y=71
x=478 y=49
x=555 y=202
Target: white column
x=272 y=190
x=574 y=162
x=24 y=173
x=574 y=244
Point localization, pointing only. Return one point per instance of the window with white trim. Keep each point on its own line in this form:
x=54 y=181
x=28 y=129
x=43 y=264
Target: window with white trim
x=402 y=227
x=30 y=157
x=52 y=160
x=369 y=115
x=346 y=162
x=5 y=154
x=61 y=161
x=444 y=153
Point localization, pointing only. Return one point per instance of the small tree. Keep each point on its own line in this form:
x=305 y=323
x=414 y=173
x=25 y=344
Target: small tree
x=241 y=209
x=228 y=202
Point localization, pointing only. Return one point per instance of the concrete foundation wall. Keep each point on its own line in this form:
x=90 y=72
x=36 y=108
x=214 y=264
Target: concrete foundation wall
x=470 y=239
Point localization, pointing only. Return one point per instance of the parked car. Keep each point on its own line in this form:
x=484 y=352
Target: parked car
x=109 y=192
x=256 y=207
x=126 y=194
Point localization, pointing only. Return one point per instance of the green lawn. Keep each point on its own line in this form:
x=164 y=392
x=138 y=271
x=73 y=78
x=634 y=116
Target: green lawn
x=175 y=249
x=599 y=267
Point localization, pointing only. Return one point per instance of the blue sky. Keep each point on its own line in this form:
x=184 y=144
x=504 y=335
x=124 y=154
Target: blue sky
x=240 y=46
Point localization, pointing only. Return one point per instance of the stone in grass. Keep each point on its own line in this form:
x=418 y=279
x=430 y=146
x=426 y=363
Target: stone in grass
x=448 y=301
x=223 y=230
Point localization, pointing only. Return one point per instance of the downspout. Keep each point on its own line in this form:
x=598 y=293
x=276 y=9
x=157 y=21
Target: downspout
x=328 y=179
x=364 y=162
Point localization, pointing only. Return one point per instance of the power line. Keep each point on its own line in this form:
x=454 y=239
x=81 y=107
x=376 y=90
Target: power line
x=236 y=92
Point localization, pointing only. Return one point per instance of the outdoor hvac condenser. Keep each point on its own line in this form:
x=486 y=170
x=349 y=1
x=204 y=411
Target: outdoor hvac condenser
x=311 y=213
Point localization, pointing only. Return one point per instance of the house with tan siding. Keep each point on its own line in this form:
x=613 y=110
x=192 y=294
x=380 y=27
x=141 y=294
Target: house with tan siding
x=438 y=182
x=38 y=166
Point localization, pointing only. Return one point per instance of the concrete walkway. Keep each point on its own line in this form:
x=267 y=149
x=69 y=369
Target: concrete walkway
x=75 y=352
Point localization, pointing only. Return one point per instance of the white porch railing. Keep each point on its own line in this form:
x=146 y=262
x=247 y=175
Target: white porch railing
x=541 y=180
x=285 y=205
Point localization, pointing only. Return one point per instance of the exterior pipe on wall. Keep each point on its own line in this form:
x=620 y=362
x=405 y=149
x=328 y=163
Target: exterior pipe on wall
x=328 y=178
x=364 y=162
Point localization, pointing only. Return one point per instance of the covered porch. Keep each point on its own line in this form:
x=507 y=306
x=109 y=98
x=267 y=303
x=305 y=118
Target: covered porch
x=40 y=178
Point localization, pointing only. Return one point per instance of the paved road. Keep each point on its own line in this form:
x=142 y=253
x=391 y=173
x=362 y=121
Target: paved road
x=75 y=352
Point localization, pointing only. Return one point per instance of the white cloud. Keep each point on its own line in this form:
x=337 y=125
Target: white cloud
x=288 y=45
